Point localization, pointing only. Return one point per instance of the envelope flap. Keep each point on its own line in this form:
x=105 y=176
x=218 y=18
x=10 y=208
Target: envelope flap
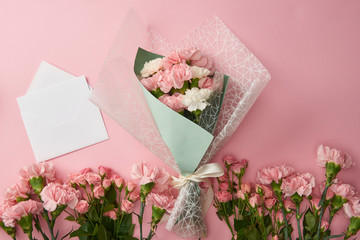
x=57 y=104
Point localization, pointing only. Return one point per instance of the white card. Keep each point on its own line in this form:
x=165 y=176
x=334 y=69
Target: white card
x=57 y=114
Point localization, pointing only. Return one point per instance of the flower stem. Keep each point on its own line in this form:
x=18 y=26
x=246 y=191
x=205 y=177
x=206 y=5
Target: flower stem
x=322 y=200
x=298 y=217
x=227 y=219
x=46 y=217
x=141 y=217
x=286 y=230
x=37 y=222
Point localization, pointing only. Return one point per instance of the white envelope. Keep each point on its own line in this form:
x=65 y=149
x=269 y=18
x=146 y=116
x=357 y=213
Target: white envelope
x=57 y=114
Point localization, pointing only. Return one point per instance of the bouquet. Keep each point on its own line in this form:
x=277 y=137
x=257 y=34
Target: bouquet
x=258 y=211
x=183 y=107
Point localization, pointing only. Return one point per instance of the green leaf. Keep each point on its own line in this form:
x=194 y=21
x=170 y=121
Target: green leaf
x=96 y=230
x=310 y=220
x=110 y=195
x=252 y=233
x=81 y=220
x=102 y=233
x=108 y=223
x=108 y=208
x=92 y=213
x=239 y=224
x=78 y=233
x=70 y=218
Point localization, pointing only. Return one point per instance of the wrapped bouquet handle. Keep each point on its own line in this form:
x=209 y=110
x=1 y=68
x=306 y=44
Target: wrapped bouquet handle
x=119 y=93
x=200 y=175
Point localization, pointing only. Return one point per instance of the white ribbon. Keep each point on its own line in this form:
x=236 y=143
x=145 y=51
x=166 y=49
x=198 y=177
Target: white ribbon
x=201 y=175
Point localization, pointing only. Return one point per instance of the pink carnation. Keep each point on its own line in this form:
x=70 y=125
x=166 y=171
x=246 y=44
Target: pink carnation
x=268 y=192
x=104 y=171
x=77 y=178
x=141 y=173
x=224 y=186
x=269 y=202
x=178 y=74
x=346 y=191
x=127 y=206
x=201 y=61
x=324 y=225
x=229 y=160
x=237 y=167
x=106 y=183
x=315 y=203
x=174 y=101
x=245 y=187
x=19 y=190
x=134 y=196
x=206 y=82
x=55 y=194
x=99 y=191
x=112 y=214
x=223 y=196
x=269 y=174
x=326 y=154
x=255 y=200
x=175 y=57
x=352 y=207
x=130 y=186
x=301 y=184
x=161 y=201
x=152 y=83
x=289 y=205
x=93 y=178
x=21 y=209
x=119 y=181
x=43 y=169
x=82 y=207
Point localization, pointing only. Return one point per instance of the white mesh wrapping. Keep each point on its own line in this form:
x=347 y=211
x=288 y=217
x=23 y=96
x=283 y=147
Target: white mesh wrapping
x=117 y=93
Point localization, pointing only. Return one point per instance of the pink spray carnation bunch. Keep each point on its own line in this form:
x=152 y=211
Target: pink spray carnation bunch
x=266 y=210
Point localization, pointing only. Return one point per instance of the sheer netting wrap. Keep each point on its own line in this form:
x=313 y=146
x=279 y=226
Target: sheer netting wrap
x=118 y=93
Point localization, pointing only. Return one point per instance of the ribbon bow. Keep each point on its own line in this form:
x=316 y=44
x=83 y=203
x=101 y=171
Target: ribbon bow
x=200 y=175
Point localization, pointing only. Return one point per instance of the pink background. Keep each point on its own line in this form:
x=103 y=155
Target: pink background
x=311 y=49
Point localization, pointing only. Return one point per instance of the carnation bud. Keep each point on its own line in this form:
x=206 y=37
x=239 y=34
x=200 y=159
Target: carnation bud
x=130 y=186
x=337 y=203
x=157 y=214
x=353 y=228
x=106 y=184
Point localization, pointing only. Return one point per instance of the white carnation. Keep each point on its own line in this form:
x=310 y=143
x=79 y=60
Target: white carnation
x=195 y=98
x=199 y=72
x=151 y=67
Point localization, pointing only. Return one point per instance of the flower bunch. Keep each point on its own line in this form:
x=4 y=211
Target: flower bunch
x=183 y=81
x=107 y=205
x=265 y=209
x=37 y=194
x=108 y=201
